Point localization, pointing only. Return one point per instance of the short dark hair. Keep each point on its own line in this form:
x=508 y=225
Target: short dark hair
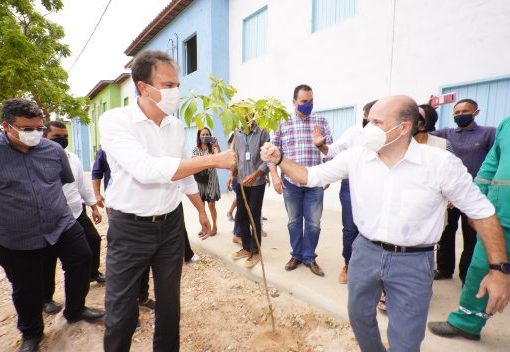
x=13 y=108
x=469 y=101
x=410 y=112
x=49 y=125
x=144 y=64
x=199 y=140
x=368 y=106
x=304 y=87
x=431 y=117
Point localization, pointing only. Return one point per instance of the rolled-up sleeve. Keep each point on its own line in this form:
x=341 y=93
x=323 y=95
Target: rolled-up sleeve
x=329 y=172
x=188 y=185
x=458 y=187
x=122 y=147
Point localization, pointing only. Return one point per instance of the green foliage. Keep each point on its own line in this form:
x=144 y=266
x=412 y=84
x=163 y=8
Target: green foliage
x=30 y=54
x=200 y=109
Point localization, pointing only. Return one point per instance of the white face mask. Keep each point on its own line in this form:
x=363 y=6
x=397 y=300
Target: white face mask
x=374 y=138
x=169 y=99
x=30 y=139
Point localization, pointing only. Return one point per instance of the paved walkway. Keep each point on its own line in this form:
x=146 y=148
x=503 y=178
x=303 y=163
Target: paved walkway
x=326 y=292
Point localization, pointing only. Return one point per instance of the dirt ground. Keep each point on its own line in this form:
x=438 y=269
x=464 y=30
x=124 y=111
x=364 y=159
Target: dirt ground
x=221 y=311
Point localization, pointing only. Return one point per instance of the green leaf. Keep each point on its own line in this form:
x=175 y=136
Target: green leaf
x=209 y=121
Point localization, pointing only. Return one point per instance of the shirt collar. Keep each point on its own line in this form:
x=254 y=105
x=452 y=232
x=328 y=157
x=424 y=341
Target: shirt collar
x=139 y=116
x=413 y=153
x=473 y=127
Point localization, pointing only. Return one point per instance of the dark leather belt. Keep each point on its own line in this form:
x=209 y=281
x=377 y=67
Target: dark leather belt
x=398 y=249
x=134 y=217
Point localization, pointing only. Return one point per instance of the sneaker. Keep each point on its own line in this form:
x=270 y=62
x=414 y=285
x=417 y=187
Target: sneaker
x=343 y=275
x=150 y=303
x=252 y=261
x=230 y=217
x=242 y=253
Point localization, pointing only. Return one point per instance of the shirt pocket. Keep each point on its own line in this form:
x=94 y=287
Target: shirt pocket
x=51 y=171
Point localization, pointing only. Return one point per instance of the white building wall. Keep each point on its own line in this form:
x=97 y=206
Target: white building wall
x=127 y=89
x=434 y=43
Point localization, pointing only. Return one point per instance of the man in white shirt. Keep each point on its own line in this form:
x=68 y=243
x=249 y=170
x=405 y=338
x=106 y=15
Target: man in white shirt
x=77 y=194
x=399 y=193
x=145 y=146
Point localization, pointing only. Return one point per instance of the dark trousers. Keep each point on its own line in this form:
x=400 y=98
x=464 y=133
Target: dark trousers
x=94 y=242
x=24 y=270
x=188 y=252
x=254 y=197
x=132 y=247
x=446 y=251
x=350 y=230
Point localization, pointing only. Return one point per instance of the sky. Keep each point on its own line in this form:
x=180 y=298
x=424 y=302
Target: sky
x=104 y=57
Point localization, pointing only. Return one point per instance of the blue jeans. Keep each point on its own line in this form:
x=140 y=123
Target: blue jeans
x=303 y=203
x=407 y=279
x=350 y=230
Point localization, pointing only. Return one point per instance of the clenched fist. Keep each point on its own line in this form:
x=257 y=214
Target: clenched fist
x=225 y=160
x=270 y=153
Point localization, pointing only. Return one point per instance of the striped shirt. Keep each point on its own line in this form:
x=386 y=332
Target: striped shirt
x=295 y=138
x=33 y=210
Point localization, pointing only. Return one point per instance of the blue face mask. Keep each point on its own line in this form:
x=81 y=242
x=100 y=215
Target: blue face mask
x=463 y=120
x=305 y=109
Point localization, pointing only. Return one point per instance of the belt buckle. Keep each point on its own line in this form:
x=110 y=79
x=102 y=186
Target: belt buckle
x=153 y=218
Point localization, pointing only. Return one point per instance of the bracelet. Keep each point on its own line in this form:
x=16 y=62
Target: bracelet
x=281 y=159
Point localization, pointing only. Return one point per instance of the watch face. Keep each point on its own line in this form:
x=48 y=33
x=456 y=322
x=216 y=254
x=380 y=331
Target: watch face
x=505 y=267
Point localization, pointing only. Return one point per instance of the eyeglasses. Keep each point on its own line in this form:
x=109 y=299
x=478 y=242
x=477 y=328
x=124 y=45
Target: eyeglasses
x=29 y=129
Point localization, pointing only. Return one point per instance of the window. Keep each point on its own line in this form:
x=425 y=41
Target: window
x=325 y=13
x=255 y=34
x=492 y=96
x=104 y=107
x=190 y=55
x=125 y=102
x=339 y=120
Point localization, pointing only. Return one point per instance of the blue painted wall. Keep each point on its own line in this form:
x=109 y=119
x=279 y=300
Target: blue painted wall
x=81 y=143
x=210 y=24
x=492 y=96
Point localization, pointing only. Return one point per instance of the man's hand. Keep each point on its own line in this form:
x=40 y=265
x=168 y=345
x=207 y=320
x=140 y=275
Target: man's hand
x=99 y=200
x=433 y=101
x=497 y=285
x=225 y=160
x=230 y=180
x=251 y=178
x=270 y=153
x=318 y=139
x=450 y=206
x=206 y=225
x=96 y=215
x=277 y=184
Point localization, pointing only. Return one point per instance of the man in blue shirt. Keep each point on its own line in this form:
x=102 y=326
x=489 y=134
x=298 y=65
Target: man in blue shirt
x=470 y=143
x=35 y=218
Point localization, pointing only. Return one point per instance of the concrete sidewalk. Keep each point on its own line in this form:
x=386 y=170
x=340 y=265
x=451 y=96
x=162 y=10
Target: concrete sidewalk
x=326 y=292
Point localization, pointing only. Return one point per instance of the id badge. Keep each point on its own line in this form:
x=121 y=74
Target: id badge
x=247 y=156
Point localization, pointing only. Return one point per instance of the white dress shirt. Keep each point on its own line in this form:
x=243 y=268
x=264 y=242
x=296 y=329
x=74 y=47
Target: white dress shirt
x=143 y=158
x=350 y=138
x=404 y=205
x=79 y=191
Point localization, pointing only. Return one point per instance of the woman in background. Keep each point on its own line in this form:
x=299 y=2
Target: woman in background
x=207 y=180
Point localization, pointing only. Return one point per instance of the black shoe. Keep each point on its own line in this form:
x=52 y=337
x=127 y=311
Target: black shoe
x=30 y=345
x=52 y=307
x=315 y=268
x=88 y=314
x=292 y=264
x=99 y=278
x=444 y=329
x=149 y=303
x=440 y=276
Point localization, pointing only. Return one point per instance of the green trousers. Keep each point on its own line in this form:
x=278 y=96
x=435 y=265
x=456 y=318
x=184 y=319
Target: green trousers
x=471 y=316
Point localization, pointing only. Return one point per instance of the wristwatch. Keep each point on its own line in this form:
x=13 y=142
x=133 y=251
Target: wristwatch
x=503 y=267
